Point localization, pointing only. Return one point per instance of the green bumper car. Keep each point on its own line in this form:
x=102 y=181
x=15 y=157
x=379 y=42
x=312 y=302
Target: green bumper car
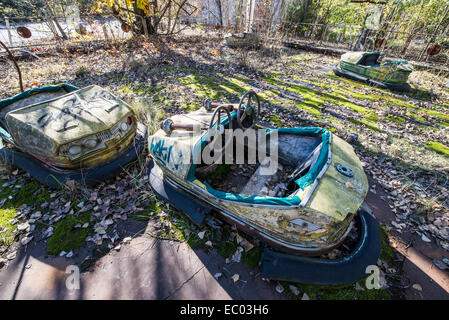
x=367 y=67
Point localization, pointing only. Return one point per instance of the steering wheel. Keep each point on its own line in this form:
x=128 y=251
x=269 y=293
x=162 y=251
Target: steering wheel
x=246 y=112
x=219 y=130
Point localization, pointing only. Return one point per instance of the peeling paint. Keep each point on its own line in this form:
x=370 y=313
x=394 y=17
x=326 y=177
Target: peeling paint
x=326 y=216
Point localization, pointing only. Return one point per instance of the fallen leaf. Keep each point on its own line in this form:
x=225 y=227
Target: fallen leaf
x=279 y=288
x=440 y=264
x=201 y=234
x=417 y=286
x=100 y=230
x=425 y=239
x=26 y=240
x=294 y=290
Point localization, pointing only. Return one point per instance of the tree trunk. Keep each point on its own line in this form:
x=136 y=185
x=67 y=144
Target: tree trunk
x=413 y=30
x=220 y=13
x=63 y=34
x=141 y=18
x=409 y=39
x=51 y=26
x=360 y=43
x=315 y=19
x=177 y=15
x=53 y=18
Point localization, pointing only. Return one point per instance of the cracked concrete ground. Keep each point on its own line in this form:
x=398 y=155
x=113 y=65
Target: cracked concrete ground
x=149 y=268
x=146 y=268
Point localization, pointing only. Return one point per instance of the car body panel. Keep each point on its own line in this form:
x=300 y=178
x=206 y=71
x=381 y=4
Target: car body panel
x=176 y=151
x=337 y=194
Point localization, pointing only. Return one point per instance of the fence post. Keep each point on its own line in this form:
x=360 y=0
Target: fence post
x=8 y=29
x=103 y=26
x=323 y=35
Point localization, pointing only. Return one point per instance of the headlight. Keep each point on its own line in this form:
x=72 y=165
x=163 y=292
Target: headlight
x=74 y=150
x=79 y=148
x=91 y=143
x=126 y=124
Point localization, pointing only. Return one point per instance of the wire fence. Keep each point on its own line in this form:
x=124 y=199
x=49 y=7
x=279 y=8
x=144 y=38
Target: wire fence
x=418 y=47
x=19 y=32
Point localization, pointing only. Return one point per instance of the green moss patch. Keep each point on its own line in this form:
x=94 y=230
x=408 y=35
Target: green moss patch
x=5 y=216
x=227 y=248
x=387 y=253
x=437 y=147
x=214 y=87
x=252 y=257
x=275 y=119
x=66 y=237
x=350 y=291
x=365 y=123
x=313 y=99
x=398 y=120
x=372 y=117
x=347 y=292
x=30 y=193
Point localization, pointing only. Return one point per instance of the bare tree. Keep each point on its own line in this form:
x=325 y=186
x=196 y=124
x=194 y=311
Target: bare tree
x=146 y=16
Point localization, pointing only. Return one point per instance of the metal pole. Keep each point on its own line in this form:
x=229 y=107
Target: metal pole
x=9 y=30
x=11 y=56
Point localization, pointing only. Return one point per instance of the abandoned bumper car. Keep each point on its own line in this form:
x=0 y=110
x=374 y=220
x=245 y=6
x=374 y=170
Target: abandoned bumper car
x=242 y=40
x=302 y=198
x=367 y=67
x=60 y=133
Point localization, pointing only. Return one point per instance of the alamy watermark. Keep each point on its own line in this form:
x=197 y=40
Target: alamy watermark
x=72 y=282
x=374 y=280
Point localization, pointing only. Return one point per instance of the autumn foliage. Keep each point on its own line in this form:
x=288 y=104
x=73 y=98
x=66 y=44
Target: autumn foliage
x=148 y=16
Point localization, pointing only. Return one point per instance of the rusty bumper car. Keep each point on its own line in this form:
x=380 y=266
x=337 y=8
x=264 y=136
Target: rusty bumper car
x=60 y=133
x=367 y=67
x=303 y=208
x=248 y=40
